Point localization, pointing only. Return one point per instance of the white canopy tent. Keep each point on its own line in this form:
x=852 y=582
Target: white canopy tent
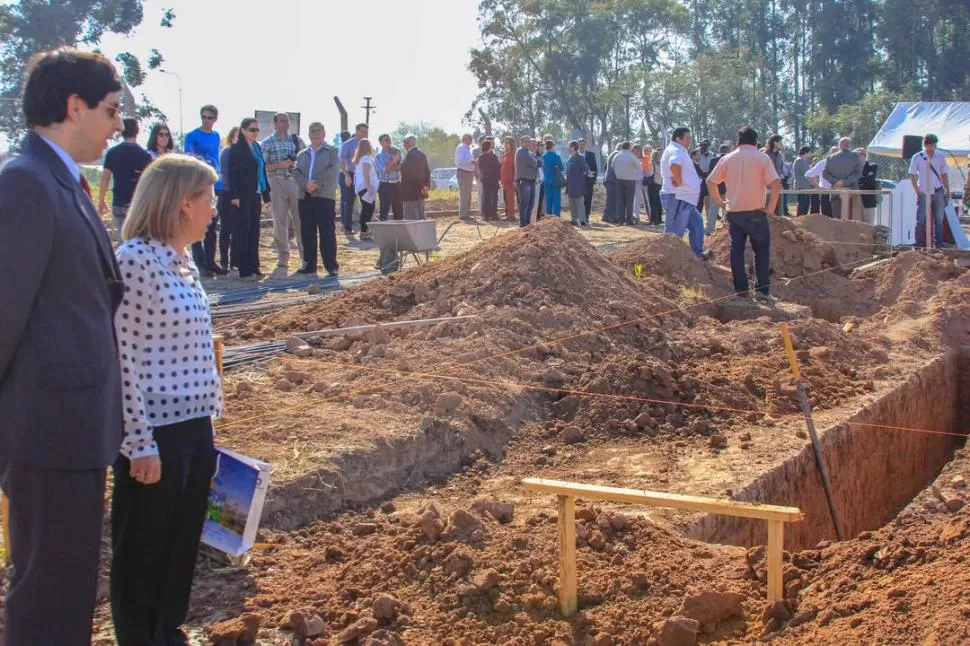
x=950 y=121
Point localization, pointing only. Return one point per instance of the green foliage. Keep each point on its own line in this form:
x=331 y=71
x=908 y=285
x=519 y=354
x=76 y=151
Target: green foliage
x=804 y=68
x=28 y=27
x=437 y=144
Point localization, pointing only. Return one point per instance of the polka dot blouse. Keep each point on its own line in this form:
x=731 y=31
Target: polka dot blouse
x=164 y=331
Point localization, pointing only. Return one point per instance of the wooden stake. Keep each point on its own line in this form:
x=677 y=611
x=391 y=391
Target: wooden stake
x=567 y=555
x=5 y=518
x=774 y=560
x=790 y=351
x=218 y=346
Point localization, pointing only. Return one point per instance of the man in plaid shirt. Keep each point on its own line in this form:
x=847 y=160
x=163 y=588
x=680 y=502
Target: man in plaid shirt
x=388 y=164
x=279 y=153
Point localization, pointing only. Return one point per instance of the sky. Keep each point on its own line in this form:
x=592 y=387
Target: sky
x=295 y=56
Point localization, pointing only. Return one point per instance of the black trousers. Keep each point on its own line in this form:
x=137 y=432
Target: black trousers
x=588 y=197
x=224 y=209
x=625 y=190
x=318 y=217
x=366 y=212
x=347 y=198
x=490 y=200
x=204 y=253
x=656 y=208
x=56 y=518
x=541 y=209
x=245 y=237
x=808 y=204
x=753 y=225
x=609 y=208
x=825 y=204
x=391 y=201
x=155 y=532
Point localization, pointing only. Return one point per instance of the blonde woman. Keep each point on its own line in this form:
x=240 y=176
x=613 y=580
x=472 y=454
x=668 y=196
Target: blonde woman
x=171 y=393
x=365 y=184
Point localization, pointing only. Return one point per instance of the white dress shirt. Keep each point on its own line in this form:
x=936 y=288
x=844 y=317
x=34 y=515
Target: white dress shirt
x=164 y=333
x=464 y=159
x=816 y=171
x=690 y=186
x=926 y=179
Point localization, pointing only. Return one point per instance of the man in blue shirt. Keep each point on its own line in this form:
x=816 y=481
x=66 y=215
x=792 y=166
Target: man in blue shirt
x=203 y=142
x=347 y=196
x=388 y=163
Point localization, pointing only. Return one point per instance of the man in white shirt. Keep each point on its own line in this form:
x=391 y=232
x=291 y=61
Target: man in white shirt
x=680 y=192
x=928 y=172
x=466 y=176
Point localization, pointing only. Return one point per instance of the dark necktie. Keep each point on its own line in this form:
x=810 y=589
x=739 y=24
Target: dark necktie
x=86 y=187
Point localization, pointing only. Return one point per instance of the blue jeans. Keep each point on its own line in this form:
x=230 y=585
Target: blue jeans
x=526 y=189
x=937 y=204
x=347 y=199
x=553 y=200
x=683 y=217
x=754 y=225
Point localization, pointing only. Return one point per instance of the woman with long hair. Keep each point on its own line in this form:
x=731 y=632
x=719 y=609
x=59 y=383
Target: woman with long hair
x=248 y=189
x=160 y=141
x=225 y=208
x=167 y=459
x=508 y=179
x=365 y=184
x=774 y=152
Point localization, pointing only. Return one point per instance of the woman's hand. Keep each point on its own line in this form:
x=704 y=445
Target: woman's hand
x=147 y=470
x=235 y=202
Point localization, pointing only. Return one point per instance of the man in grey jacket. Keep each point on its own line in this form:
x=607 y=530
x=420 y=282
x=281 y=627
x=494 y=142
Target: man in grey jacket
x=625 y=167
x=316 y=176
x=526 y=170
x=843 y=170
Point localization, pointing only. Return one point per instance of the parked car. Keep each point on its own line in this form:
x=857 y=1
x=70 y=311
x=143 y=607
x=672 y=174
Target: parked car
x=453 y=183
x=441 y=177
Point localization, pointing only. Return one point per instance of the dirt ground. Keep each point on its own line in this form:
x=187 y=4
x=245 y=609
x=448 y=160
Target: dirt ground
x=395 y=514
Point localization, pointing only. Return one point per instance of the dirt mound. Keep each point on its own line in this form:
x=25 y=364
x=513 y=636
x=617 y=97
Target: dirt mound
x=854 y=242
x=795 y=251
x=902 y=584
x=546 y=265
x=670 y=258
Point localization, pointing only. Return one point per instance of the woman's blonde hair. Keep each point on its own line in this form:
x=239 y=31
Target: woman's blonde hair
x=363 y=148
x=156 y=207
x=232 y=136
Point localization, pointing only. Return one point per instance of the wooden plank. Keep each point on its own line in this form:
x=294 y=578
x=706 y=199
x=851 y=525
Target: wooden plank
x=218 y=348
x=567 y=555
x=790 y=351
x=774 y=559
x=659 y=499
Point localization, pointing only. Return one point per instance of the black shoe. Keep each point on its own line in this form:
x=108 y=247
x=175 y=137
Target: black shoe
x=306 y=270
x=206 y=273
x=332 y=274
x=218 y=271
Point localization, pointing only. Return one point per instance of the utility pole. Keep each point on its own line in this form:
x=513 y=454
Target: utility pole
x=368 y=108
x=179 y=79
x=627 y=96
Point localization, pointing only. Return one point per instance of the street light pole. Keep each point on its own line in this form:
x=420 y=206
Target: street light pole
x=179 y=78
x=627 y=96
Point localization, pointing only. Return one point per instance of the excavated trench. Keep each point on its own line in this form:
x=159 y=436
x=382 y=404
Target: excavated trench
x=875 y=471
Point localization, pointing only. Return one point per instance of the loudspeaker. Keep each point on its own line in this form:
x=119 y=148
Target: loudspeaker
x=912 y=144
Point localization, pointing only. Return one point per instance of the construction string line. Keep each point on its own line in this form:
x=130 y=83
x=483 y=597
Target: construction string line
x=541 y=343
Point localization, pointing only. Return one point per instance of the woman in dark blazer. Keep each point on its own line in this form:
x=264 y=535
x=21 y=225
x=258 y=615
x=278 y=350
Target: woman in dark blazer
x=248 y=189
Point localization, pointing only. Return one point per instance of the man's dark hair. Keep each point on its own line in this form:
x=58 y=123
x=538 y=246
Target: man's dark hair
x=625 y=145
x=361 y=125
x=574 y=145
x=803 y=150
x=383 y=137
x=486 y=145
x=931 y=139
x=56 y=76
x=679 y=132
x=213 y=109
x=723 y=149
x=549 y=144
x=130 y=128
x=345 y=135
x=747 y=136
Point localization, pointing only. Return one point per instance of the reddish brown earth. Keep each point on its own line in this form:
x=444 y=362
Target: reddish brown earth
x=411 y=444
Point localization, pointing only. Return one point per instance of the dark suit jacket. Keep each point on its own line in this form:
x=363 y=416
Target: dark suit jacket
x=244 y=171
x=60 y=381
x=843 y=166
x=490 y=168
x=591 y=162
x=415 y=175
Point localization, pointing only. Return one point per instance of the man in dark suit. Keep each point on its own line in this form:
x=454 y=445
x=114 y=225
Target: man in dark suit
x=60 y=381
x=415 y=179
x=590 y=175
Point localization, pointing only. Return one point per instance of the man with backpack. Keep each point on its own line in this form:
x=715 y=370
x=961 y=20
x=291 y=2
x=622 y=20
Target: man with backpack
x=279 y=153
